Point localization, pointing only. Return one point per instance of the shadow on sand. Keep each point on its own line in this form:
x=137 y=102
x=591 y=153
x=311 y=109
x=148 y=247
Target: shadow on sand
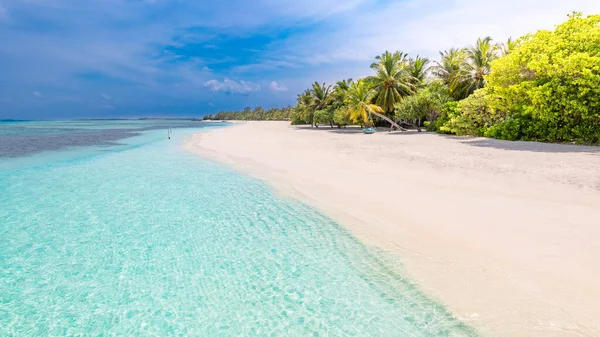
x=471 y=141
x=529 y=146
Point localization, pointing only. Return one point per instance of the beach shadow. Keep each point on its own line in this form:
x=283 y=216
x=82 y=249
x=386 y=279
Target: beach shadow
x=528 y=146
x=355 y=130
x=348 y=130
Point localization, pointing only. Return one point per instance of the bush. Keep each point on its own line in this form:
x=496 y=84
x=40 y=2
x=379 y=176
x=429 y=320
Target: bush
x=427 y=103
x=297 y=118
x=341 y=117
x=473 y=115
x=321 y=117
x=526 y=126
x=551 y=84
x=448 y=110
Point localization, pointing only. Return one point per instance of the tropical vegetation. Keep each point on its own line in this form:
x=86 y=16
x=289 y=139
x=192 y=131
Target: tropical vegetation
x=257 y=114
x=543 y=86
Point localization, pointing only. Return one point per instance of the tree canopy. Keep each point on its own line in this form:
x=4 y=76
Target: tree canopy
x=256 y=114
x=543 y=86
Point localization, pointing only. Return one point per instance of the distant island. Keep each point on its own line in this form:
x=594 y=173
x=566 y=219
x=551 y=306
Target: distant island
x=256 y=114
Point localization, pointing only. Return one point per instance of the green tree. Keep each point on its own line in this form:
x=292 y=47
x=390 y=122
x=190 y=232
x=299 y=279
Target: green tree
x=427 y=103
x=304 y=109
x=474 y=114
x=341 y=117
x=321 y=98
x=418 y=69
x=450 y=70
x=508 y=46
x=550 y=84
x=358 y=102
x=392 y=81
x=477 y=66
x=338 y=110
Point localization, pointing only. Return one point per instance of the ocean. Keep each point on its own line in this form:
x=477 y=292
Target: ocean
x=108 y=228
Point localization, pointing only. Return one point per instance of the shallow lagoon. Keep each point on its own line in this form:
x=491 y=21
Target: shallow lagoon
x=138 y=237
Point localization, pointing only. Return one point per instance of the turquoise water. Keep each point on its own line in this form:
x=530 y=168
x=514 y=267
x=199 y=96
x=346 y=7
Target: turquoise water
x=145 y=239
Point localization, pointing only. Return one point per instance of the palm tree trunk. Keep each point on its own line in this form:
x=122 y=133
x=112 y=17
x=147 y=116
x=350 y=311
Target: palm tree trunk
x=389 y=120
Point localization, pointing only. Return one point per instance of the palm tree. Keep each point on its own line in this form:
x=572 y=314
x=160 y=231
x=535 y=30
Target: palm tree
x=450 y=69
x=507 y=47
x=392 y=80
x=477 y=66
x=343 y=85
x=360 y=107
x=418 y=68
x=321 y=97
x=339 y=92
x=464 y=70
x=305 y=106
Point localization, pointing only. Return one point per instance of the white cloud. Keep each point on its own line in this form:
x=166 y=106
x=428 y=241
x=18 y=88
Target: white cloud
x=107 y=106
x=35 y=93
x=277 y=87
x=211 y=104
x=336 y=39
x=423 y=27
x=232 y=87
x=106 y=97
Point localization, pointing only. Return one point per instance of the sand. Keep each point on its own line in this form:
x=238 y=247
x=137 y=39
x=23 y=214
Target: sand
x=505 y=234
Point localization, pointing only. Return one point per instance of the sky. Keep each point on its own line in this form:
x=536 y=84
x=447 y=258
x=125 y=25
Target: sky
x=133 y=58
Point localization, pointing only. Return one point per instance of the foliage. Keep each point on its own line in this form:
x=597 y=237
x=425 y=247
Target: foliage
x=418 y=68
x=322 y=116
x=464 y=70
x=341 y=117
x=304 y=109
x=392 y=81
x=322 y=96
x=473 y=114
x=450 y=70
x=551 y=84
x=477 y=66
x=428 y=102
x=544 y=86
x=256 y=114
x=358 y=102
x=447 y=112
x=508 y=46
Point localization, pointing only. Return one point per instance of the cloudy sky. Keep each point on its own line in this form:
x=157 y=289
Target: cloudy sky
x=129 y=58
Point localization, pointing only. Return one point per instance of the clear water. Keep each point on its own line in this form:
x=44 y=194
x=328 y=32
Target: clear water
x=145 y=239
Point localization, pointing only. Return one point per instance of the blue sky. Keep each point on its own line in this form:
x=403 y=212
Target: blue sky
x=130 y=58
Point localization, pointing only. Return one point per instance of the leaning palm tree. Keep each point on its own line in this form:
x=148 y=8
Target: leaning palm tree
x=360 y=107
x=392 y=80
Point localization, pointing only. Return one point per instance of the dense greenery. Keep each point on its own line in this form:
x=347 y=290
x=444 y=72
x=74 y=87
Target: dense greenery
x=543 y=86
x=256 y=114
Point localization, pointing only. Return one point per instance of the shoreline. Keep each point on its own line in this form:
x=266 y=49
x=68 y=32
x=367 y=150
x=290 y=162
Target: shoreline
x=501 y=233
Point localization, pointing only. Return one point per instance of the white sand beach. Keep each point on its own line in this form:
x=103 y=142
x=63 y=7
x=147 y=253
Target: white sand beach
x=505 y=234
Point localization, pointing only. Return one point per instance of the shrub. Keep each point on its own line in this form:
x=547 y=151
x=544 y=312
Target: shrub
x=341 y=117
x=473 y=115
x=551 y=84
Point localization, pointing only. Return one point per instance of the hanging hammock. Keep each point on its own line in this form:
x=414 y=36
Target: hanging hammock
x=369 y=126
x=369 y=130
